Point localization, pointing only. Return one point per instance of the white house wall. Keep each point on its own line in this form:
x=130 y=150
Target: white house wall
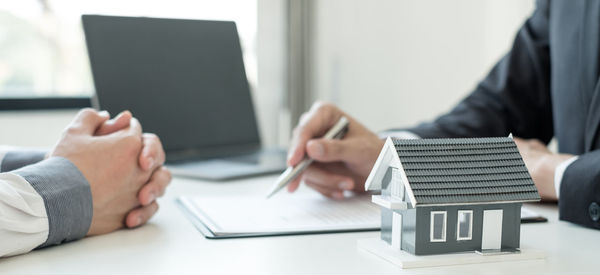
x=387 y=158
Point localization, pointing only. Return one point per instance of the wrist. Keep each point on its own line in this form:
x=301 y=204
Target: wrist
x=545 y=173
x=67 y=198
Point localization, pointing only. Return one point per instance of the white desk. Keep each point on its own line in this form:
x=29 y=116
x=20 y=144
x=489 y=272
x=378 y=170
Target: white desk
x=169 y=244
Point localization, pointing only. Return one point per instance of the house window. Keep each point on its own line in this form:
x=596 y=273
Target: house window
x=397 y=184
x=464 y=225
x=438 y=226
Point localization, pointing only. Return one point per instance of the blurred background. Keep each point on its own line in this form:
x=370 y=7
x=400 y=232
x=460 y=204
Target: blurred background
x=389 y=63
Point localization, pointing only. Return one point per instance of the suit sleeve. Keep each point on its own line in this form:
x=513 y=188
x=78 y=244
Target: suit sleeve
x=580 y=191
x=513 y=98
x=15 y=158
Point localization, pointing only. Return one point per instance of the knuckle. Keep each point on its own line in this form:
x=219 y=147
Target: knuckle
x=296 y=130
x=318 y=104
x=304 y=117
x=151 y=136
x=168 y=174
x=87 y=112
x=152 y=210
x=71 y=130
x=156 y=139
x=324 y=107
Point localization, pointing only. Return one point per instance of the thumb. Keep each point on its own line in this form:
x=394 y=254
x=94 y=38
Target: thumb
x=330 y=150
x=88 y=120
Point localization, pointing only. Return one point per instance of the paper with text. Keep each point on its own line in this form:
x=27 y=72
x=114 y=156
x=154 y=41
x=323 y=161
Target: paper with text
x=296 y=213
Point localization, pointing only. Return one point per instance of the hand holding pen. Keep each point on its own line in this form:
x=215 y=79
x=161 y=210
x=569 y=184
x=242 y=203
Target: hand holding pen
x=338 y=164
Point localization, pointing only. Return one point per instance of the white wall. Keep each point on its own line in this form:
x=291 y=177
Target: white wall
x=393 y=63
x=271 y=66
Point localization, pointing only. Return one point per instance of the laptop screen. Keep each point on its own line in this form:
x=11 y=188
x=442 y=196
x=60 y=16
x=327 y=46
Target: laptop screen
x=183 y=79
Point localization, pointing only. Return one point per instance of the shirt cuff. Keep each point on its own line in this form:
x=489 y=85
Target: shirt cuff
x=560 y=171
x=23 y=219
x=67 y=198
x=399 y=134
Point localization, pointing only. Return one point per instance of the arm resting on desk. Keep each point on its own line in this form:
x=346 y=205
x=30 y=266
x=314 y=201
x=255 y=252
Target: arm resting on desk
x=46 y=203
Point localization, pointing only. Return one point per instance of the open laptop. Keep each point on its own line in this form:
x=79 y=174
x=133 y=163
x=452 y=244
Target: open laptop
x=185 y=81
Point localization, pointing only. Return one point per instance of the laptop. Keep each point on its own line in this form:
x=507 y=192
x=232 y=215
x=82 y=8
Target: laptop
x=185 y=81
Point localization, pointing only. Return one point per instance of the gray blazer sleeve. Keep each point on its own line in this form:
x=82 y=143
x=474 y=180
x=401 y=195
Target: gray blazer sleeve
x=513 y=98
x=67 y=198
x=20 y=158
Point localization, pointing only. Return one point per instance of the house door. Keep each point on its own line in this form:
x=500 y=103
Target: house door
x=396 y=231
x=491 y=237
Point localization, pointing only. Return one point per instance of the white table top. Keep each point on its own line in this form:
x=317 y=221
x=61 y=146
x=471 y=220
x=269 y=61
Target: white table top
x=170 y=244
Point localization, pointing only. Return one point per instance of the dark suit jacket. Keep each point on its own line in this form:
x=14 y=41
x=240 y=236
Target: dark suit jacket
x=546 y=86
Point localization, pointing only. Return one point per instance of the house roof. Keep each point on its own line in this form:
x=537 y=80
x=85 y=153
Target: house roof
x=465 y=170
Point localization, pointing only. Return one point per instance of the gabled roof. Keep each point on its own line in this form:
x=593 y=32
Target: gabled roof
x=464 y=170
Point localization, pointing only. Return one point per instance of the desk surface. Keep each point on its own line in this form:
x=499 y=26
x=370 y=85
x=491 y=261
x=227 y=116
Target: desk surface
x=169 y=244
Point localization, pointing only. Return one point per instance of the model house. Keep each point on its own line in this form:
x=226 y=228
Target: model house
x=451 y=195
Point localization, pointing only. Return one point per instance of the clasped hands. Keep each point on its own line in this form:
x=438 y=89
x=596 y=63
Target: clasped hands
x=344 y=165
x=123 y=166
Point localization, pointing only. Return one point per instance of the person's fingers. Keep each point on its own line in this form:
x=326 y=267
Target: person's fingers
x=88 y=120
x=325 y=191
x=152 y=155
x=293 y=186
x=324 y=177
x=327 y=179
x=313 y=124
x=328 y=150
x=140 y=215
x=120 y=122
x=155 y=187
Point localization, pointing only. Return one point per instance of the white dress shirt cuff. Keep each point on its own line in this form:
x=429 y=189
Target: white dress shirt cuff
x=560 y=171
x=24 y=222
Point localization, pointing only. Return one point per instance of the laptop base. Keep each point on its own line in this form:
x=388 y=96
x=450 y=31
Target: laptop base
x=261 y=162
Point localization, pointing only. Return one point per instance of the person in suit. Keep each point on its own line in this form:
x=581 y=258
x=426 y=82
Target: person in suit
x=546 y=86
x=102 y=175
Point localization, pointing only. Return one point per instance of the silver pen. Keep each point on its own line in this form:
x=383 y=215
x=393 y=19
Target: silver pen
x=338 y=131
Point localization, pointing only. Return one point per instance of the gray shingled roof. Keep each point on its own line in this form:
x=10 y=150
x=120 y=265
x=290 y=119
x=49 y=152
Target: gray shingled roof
x=465 y=170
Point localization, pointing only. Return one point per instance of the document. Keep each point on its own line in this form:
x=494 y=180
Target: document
x=226 y=217
x=288 y=214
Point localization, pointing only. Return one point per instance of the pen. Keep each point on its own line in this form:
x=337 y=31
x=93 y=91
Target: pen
x=338 y=131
